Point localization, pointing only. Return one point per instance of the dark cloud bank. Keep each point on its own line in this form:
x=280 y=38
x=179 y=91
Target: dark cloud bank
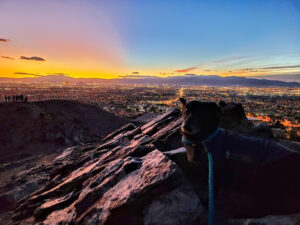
x=33 y=58
x=4 y=40
x=27 y=74
x=6 y=57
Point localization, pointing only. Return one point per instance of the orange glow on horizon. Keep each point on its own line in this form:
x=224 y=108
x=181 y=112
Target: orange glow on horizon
x=90 y=65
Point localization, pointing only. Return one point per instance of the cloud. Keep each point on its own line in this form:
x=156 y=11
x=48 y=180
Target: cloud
x=245 y=71
x=34 y=58
x=40 y=75
x=263 y=69
x=185 y=70
x=6 y=57
x=28 y=74
x=164 y=73
x=4 y=40
x=280 y=67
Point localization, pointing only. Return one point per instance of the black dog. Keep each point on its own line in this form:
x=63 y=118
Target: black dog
x=255 y=177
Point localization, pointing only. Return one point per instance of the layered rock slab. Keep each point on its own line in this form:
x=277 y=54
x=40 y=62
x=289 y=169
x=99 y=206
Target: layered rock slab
x=135 y=190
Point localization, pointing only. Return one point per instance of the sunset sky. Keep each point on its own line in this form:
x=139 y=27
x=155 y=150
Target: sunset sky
x=107 y=39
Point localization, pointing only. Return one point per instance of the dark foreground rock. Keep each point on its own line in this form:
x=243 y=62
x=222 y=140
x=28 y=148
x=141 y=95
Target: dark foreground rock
x=133 y=177
x=42 y=127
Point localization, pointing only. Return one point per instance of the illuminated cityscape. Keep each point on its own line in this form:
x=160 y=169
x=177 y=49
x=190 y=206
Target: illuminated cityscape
x=270 y=105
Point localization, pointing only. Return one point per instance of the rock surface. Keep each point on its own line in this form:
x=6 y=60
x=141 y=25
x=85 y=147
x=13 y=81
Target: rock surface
x=41 y=127
x=134 y=176
x=125 y=178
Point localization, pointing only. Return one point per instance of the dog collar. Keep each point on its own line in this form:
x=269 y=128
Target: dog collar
x=205 y=141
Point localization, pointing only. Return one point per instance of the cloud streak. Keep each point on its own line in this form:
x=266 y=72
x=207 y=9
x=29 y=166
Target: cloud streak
x=27 y=74
x=40 y=75
x=7 y=57
x=281 y=67
x=4 y=40
x=185 y=70
x=264 y=69
x=32 y=58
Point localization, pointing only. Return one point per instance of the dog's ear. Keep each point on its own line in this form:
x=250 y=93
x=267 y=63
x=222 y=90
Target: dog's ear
x=216 y=108
x=183 y=101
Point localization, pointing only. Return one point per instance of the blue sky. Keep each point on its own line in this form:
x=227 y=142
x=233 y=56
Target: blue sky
x=198 y=31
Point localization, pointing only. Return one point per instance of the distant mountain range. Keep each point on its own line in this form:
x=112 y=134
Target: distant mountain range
x=188 y=79
x=285 y=77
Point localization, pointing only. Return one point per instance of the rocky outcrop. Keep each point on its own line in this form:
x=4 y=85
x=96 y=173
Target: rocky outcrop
x=125 y=178
x=28 y=129
x=136 y=175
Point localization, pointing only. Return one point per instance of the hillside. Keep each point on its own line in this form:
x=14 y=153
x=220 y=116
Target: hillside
x=136 y=175
x=28 y=129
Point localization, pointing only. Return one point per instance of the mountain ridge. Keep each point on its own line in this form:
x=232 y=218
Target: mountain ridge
x=188 y=79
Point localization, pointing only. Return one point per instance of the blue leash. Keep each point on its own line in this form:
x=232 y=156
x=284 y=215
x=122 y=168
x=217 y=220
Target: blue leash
x=211 y=204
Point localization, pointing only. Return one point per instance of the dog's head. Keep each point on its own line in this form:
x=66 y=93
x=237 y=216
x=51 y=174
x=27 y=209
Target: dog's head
x=233 y=114
x=199 y=119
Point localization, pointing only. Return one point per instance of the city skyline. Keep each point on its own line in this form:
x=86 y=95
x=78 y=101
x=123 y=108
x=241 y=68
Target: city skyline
x=97 y=39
